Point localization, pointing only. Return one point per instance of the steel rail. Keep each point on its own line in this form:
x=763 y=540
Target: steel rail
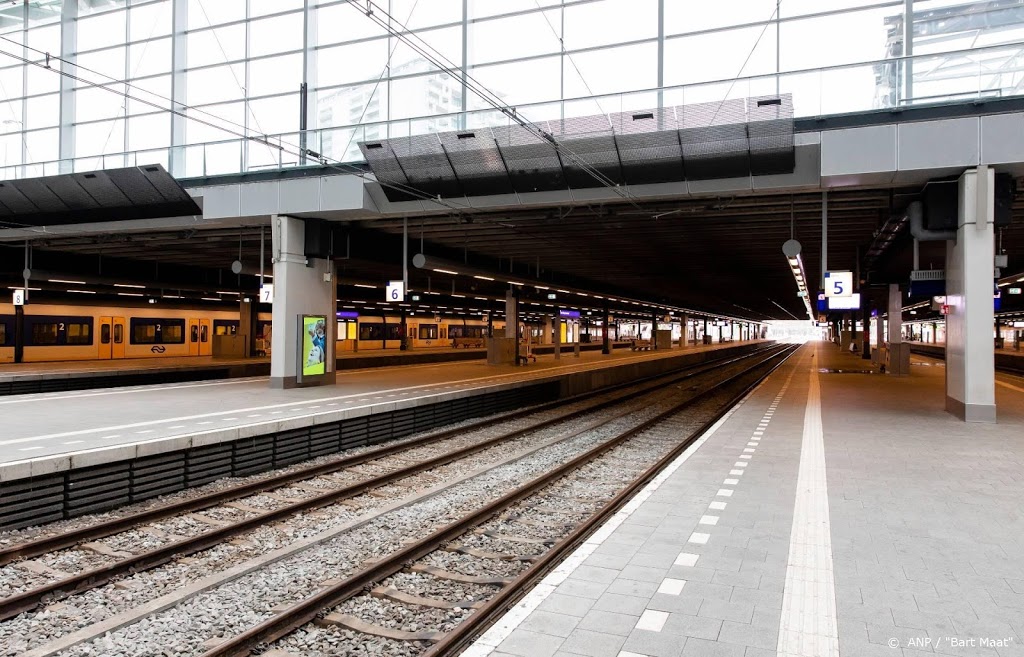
x=28 y=600
x=47 y=544
x=459 y=638
x=310 y=608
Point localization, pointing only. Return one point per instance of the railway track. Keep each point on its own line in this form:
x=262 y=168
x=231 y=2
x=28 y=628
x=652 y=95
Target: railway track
x=533 y=525
x=115 y=563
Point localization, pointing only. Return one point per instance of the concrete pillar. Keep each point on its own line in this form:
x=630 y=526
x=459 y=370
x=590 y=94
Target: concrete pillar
x=899 y=353
x=654 y=330
x=545 y=336
x=248 y=324
x=970 y=361
x=557 y=334
x=511 y=315
x=301 y=287
x=606 y=331
x=935 y=332
x=684 y=332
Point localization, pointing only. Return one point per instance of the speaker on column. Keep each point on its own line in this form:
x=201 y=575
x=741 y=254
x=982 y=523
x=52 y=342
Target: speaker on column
x=318 y=239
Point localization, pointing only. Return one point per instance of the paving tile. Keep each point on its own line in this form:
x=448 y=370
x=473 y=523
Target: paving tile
x=548 y=622
x=749 y=635
x=695 y=626
x=530 y=644
x=593 y=644
x=740 y=612
x=634 y=587
x=655 y=644
x=608 y=622
x=560 y=603
x=701 y=648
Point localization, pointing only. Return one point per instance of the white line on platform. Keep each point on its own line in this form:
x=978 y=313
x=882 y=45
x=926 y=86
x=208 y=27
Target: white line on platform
x=807 y=627
x=127 y=391
x=1007 y=385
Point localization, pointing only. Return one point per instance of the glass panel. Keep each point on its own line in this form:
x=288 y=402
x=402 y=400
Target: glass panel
x=264 y=7
x=213 y=85
x=498 y=40
x=44 y=39
x=150 y=95
x=277 y=34
x=108 y=64
x=612 y=70
x=217 y=46
x=801 y=7
x=118 y=333
x=149 y=132
x=79 y=334
x=275 y=75
x=42 y=112
x=610 y=21
x=45 y=12
x=363 y=61
x=41 y=80
x=99 y=138
x=812 y=42
x=101 y=31
x=483 y=8
x=425 y=95
x=150 y=20
x=414 y=14
x=363 y=103
x=232 y=116
x=531 y=81
x=44 y=334
x=681 y=17
x=446 y=42
x=344 y=21
x=273 y=116
x=203 y=14
x=722 y=55
x=87 y=7
x=96 y=103
x=150 y=58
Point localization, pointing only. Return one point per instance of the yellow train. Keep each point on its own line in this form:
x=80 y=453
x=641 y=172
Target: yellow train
x=56 y=332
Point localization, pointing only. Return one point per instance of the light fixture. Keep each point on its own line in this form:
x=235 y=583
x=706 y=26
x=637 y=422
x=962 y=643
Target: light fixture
x=64 y=281
x=446 y=271
x=135 y=294
x=80 y=291
x=136 y=287
x=482 y=278
x=204 y=298
x=369 y=287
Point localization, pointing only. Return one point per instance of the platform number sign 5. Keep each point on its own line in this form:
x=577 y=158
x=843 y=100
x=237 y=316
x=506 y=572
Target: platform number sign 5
x=838 y=284
x=395 y=291
x=267 y=293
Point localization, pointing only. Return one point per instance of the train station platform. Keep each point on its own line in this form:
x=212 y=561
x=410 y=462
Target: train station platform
x=111 y=446
x=1007 y=359
x=834 y=512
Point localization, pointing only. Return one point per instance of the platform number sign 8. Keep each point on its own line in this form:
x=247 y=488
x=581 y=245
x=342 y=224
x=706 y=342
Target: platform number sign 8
x=395 y=291
x=838 y=284
x=18 y=298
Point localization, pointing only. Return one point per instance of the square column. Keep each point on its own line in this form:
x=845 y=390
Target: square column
x=970 y=360
x=899 y=353
x=301 y=287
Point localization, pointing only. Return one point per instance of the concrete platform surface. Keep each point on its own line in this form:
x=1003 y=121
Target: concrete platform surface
x=829 y=514
x=51 y=432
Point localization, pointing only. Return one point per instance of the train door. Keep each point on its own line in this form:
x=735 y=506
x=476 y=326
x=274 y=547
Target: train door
x=106 y=338
x=119 y=337
x=193 y=337
x=205 y=337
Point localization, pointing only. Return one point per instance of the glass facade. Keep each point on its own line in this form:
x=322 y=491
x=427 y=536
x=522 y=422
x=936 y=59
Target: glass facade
x=86 y=84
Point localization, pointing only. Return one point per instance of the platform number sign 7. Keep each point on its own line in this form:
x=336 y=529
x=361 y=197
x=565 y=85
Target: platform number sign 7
x=267 y=293
x=838 y=284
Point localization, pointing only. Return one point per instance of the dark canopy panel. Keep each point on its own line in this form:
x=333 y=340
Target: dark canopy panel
x=728 y=139
x=144 y=192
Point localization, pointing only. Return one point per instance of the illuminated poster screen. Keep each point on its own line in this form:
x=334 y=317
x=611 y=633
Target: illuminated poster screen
x=314 y=345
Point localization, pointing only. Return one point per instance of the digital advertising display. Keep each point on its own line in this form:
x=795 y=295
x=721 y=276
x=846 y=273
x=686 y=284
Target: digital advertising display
x=313 y=354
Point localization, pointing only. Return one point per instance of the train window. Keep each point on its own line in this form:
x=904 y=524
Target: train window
x=157 y=331
x=79 y=334
x=3 y=334
x=371 y=331
x=104 y=333
x=225 y=327
x=444 y=333
x=118 y=333
x=194 y=337
x=394 y=331
x=428 y=331
x=204 y=333
x=174 y=333
x=44 y=333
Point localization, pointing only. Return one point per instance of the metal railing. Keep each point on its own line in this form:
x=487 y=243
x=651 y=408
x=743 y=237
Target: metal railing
x=933 y=79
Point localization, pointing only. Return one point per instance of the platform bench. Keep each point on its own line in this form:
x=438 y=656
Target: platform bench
x=640 y=345
x=467 y=342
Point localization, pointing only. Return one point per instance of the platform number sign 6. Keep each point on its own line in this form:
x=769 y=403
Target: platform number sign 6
x=395 y=291
x=838 y=284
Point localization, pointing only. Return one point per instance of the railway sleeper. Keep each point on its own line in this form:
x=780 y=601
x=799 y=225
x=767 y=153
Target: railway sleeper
x=441 y=573
x=350 y=622
x=391 y=593
x=487 y=554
